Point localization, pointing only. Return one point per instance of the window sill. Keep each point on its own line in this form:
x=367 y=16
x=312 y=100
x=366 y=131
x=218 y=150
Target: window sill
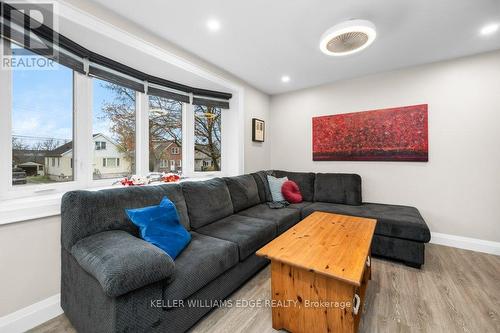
x=42 y=206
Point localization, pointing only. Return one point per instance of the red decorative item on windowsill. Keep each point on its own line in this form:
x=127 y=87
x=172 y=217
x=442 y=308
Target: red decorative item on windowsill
x=134 y=181
x=170 y=178
x=128 y=182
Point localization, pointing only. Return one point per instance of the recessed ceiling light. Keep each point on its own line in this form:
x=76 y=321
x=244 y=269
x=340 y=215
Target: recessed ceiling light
x=285 y=79
x=348 y=37
x=489 y=29
x=213 y=25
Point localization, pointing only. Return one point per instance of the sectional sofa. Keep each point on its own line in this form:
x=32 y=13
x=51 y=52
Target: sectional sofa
x=113 y=281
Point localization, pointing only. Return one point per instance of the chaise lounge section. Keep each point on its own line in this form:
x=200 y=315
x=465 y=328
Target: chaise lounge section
x=113 y=281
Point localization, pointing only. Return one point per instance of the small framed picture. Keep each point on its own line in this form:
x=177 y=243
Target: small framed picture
x=258 y=130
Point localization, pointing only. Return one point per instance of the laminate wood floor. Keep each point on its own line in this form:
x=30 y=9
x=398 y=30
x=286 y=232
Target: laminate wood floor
x=455 y=291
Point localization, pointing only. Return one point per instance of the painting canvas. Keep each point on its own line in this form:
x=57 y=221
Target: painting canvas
x=395 y=134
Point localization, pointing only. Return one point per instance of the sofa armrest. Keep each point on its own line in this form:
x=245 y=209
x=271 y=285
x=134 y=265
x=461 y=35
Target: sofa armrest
x=122 y=262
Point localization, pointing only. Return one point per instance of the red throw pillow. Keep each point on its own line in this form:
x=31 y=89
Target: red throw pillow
x=291 y=192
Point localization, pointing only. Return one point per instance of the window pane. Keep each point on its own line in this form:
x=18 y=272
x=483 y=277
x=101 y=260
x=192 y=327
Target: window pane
x=113 y=130
x=165 y=134
x=207 y=138
x=42 y=123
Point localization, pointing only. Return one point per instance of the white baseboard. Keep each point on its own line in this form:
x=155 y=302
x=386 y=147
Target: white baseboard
x=466 y=243
x=32 y=315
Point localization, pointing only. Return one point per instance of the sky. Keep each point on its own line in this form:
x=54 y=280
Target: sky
x=42 y=104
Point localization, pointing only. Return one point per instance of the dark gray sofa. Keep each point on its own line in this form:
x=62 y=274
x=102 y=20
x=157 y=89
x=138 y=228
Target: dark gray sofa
x=113 y=281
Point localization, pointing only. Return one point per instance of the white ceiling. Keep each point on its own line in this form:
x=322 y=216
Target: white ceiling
x=261 y=40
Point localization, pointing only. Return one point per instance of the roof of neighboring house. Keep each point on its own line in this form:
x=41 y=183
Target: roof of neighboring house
x=29 y=164
x=162 y=145
x=59 y=151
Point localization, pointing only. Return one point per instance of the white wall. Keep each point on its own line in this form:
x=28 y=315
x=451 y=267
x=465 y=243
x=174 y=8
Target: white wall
x=30 y=262
x=458 y=190
x=257 y=154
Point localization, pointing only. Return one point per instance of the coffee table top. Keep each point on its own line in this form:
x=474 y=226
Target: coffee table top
x=330 y=244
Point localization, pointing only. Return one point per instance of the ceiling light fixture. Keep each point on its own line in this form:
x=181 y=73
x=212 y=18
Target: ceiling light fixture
x=213 y=25
x=489 y=29
x=285 y=79
x=348 y=37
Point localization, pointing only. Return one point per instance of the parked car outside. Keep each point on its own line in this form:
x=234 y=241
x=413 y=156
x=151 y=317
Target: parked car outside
x=18 y=176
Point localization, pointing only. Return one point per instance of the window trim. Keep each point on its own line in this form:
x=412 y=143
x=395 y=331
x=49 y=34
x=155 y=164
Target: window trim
x=11 y=191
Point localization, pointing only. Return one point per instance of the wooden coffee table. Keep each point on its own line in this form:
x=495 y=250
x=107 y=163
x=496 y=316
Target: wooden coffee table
x=319 y=273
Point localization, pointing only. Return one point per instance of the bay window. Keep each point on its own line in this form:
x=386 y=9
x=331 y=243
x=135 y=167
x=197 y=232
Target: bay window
x=83 y=120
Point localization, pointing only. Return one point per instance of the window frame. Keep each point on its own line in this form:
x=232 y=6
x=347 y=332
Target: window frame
x=110 y=181
x=8 y=190
x=221 y=172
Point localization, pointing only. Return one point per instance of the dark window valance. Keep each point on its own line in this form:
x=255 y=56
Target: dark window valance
x=117 y=79
x=12 y=17
x=168 y=94
x=211 y=103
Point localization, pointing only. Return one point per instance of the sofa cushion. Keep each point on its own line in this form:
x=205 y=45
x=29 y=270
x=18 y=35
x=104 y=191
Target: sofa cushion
x=243 y=190
x=177 y=197
x=338 y=188
x=283 y=218
x=392 y=220
x=121 y=262
x=291 y=192
x=263 y=186
x=160 y=226
x=275 y=186
x=84 y=213
x=203 y=260
x=249 y=233
x=207 y=201
x=305 y=180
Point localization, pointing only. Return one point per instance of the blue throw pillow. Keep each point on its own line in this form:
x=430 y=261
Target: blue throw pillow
x=160 y=226
x=275 y=185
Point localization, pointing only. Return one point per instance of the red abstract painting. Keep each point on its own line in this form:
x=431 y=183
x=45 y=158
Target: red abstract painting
x=395 y=134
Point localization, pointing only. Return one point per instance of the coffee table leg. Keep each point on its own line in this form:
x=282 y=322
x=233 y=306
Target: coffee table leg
x=299 y=297
x=276 y=295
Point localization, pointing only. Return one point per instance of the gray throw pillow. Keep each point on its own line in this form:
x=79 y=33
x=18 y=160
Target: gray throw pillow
x=275 y=185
